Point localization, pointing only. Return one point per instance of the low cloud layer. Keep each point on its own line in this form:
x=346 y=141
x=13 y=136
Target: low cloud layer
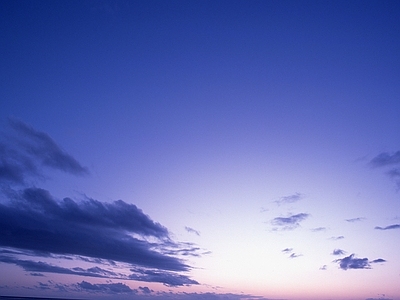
x=352 y=262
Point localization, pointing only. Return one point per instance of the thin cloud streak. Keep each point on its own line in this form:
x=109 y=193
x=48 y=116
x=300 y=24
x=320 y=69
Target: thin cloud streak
x=394 y=226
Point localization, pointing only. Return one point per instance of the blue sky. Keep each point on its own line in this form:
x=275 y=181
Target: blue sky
x=200 y=149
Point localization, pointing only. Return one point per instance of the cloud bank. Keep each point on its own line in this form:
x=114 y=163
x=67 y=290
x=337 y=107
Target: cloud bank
x=35 y=223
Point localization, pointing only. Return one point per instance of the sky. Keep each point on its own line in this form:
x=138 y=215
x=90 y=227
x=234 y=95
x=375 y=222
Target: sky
x=200 y=150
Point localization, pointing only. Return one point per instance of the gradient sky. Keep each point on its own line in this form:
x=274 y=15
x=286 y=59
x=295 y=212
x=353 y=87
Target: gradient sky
x=200 y=149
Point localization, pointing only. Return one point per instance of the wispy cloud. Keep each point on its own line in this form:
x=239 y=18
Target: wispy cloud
x=394 y=226
x=388 y=159
x=338 y=252
x=191 y=230
x=355 y=220
x=318 y=229
x=335 y=238
x=27 y=150
x=289 y=199
x=385 y=159
x=287 y=250
x=290 y=222
x=351 y=262
x=324 y=268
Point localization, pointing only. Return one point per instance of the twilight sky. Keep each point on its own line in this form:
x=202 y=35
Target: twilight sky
x=198 y=150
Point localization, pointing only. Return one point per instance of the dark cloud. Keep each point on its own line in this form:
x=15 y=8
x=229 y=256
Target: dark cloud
x=351 y=262
x=33 y=266
x=291 y=222
x=290 y=199
x=338 y=252
x=378 y=299
x=394 y=226
x=108 y=288
x=34 y=220
x=191 y=230
x=34 y=223
x=355 y=220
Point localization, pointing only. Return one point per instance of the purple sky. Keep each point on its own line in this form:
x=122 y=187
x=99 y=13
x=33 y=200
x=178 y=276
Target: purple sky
x=200 y=149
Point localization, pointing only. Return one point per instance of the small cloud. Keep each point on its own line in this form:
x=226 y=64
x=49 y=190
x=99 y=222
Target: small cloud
x=191 y=230
x=355 y=220
x=318 y=229
x=289 y=199
x=351 y=262
x=338 y=252
x=324 y=268
x=287 y=250
x=291 y=222
x=379 y=260
x=145 y=290
x=294 y=255
x=335 y=238
x=394 y=226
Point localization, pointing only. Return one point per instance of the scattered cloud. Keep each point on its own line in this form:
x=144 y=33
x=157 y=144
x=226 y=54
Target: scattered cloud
x=290 y=251
x=191 y=230
x=355 y=220
x=324 y=268
x=338 y=252
x=290 y=222
x=351 y=262
x=290 y=199
x=394 y=226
